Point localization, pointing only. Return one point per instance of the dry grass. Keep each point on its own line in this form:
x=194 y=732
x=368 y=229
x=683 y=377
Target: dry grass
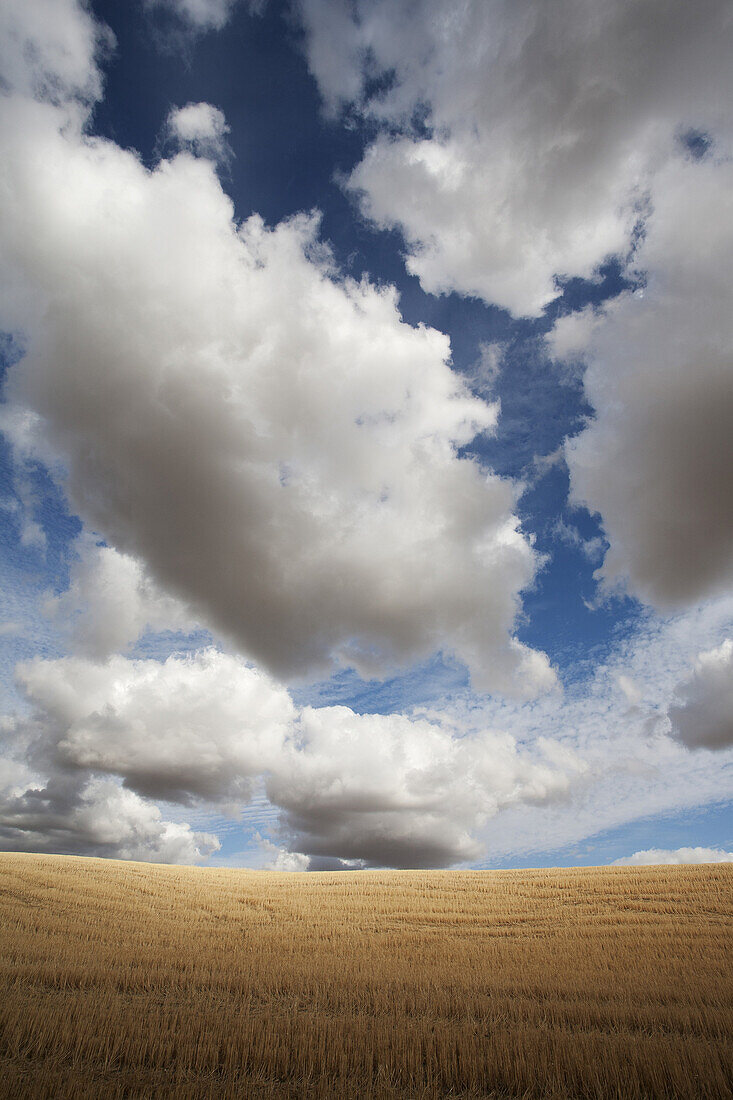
x=137 y=980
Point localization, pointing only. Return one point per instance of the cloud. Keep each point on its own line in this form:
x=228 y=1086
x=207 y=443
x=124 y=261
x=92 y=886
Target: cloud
x=200 y=128
x=518 y=140
x=612 y=716
x=702 y=716
x=592 y=548
x=202 y=15
x=96 y=818
x=472 y=780
x=45 y=49
x=282 y=860
x=402 y=791
x=656 y=459
x=208 y=730
x=110 y=602
x=630 y=689
x=23 y=506
x=680 y=855
x=572 y=333
x=187 y=728
x=271 y=441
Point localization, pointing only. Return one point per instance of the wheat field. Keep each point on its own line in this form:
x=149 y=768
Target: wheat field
x=142 y=980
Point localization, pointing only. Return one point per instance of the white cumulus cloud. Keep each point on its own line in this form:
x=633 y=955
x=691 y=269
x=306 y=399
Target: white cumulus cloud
x=185 y=728
x=201 y=128
x=210 y=730
x=45 y=47
x=520 y=138
x=110 y=602
x=653 y=856
x=274 y=444
x=473 y=779
x=280 y=859
x=202 y=15
x=403 y=791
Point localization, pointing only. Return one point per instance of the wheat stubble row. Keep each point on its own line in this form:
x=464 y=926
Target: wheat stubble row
x=139 y=980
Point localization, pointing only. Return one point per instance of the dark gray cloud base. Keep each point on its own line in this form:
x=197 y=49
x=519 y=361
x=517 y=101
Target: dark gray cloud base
x=701 y=716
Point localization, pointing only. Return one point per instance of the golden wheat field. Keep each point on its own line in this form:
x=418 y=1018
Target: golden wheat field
x=142 y=980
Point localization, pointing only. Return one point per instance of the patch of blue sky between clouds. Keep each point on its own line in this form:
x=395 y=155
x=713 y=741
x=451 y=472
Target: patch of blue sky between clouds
x=709 y=826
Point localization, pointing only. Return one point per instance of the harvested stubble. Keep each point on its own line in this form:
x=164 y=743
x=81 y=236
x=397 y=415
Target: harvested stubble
x=140 y=980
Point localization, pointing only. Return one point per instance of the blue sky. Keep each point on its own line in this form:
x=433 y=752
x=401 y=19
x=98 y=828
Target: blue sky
x=367 y=382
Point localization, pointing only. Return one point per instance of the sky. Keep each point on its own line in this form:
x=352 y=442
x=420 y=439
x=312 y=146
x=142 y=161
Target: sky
x=367 y=431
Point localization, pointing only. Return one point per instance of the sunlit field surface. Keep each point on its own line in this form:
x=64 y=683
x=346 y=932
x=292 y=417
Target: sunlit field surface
x=142 y=980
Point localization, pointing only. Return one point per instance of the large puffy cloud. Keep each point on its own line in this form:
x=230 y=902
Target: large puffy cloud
x=186 y=728
x=652 y=856
x=96 y=817
x=45 y=49
x=396 y=790
x=702 y=715
x=473 y=779
x=520 y=139
x=275 y=444
x=552 y=129
x=402 y=791
x=656 y=459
